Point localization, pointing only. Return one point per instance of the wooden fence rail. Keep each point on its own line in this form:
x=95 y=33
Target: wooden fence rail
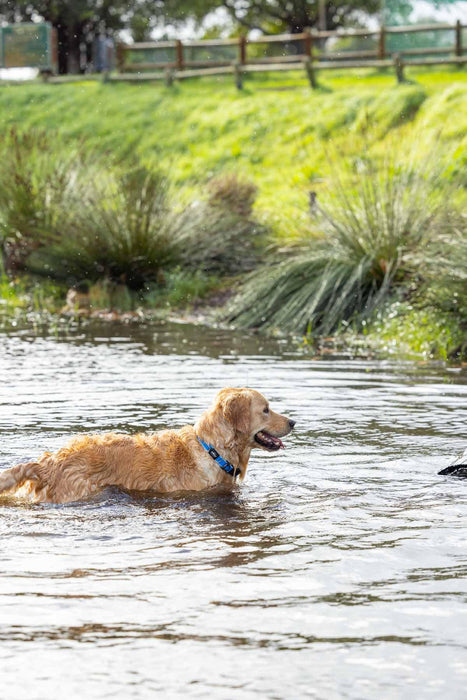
x=284 y=48
x=177 y=60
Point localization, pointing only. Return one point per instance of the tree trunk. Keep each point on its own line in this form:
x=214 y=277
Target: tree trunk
x=74 y=55
x=62 y=47
x=69 y=40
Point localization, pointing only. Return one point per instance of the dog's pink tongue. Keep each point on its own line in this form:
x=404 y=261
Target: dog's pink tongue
x=281 y=444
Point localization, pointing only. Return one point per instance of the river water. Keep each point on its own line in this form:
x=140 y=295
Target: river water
x=338 y=569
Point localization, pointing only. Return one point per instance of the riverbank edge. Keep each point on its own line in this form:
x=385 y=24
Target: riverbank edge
x=437 y=342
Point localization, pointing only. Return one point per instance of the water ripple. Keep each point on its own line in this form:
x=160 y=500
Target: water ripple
x=338 y=569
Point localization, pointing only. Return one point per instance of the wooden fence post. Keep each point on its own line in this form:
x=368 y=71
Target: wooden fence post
x=120 y=57
x=179 y=54
x=308 y=43
x=382 y=42
x=458 y=31
x=238 y=75
x=242 y=50
x=308 y=65
x=399 y=66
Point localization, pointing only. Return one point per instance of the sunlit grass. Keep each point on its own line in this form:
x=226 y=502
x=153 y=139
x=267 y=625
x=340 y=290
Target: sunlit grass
x=402 y=329
x=276 y=138
x=28 y=300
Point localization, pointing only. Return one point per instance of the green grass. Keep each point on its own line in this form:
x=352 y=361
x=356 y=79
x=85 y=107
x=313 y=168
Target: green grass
x=278 y=138
x=28 y=301
x=402 y=329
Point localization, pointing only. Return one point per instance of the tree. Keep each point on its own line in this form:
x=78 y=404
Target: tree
x=269 y=16
x=77 y=22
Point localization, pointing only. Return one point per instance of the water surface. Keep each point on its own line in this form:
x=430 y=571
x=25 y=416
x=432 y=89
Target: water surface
x=338 y=569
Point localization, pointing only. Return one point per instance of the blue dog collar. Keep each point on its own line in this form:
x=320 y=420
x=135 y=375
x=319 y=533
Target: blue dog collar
x=223 y=463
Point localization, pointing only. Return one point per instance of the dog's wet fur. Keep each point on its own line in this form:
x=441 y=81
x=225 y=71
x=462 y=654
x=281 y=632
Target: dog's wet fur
x=167 y=461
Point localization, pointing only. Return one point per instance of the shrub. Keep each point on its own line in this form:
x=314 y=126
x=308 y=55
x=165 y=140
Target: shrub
x=232 y=194
x=220 y=235
x=124 y=232
x=67 y=214
x=370 y=233
x=444 y=264
x=42 y=185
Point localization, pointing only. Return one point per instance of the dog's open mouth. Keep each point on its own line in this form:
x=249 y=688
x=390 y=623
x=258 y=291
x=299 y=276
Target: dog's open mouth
x=268 y=441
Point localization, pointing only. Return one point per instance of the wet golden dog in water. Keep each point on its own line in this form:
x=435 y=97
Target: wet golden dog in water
x=212 y=452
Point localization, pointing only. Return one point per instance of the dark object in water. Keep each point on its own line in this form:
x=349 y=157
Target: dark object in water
x=458 y=468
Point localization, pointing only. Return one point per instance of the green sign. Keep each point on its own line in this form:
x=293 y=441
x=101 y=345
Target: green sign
x=26 y=45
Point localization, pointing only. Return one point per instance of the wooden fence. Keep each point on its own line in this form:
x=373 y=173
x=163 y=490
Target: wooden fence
x=169 y=60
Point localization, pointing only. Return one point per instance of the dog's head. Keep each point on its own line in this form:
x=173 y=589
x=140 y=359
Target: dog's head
x=242 y=417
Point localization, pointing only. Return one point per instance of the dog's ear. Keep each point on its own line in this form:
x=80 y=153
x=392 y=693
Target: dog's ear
x=236 y=411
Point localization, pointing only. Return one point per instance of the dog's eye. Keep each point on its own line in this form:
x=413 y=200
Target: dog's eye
x=266 y=410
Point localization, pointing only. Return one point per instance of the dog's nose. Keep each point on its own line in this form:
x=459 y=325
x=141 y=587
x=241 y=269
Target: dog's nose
x=291 y=423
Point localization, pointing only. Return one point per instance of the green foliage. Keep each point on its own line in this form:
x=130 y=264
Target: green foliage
x=182 y=288
x=26 y=298
x=444 y=265
x=65 y=216
x=140 y=27
x=370 y=234
x=220 y=235
x=269 y=15
x=124 y=230
x=404 y=329
x=218 y=241
x=41 y=184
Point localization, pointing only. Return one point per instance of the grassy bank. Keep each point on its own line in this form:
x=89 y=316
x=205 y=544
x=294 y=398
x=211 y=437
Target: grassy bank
x=285 y=140
x=277 y=132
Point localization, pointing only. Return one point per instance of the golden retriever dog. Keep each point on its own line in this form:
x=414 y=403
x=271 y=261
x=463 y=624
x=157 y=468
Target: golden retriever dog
x=213 y=452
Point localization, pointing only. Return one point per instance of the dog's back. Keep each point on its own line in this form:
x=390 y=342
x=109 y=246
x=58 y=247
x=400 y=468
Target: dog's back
x=160 y=461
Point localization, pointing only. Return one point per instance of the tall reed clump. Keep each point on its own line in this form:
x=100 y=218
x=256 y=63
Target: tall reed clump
x=41 y=186
x=445 y=265
x=370 y=233
x=123 y=230
x=69 y=213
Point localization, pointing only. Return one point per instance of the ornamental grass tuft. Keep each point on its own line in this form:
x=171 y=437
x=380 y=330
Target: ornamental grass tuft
x=365 y=241
x=124 y=231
